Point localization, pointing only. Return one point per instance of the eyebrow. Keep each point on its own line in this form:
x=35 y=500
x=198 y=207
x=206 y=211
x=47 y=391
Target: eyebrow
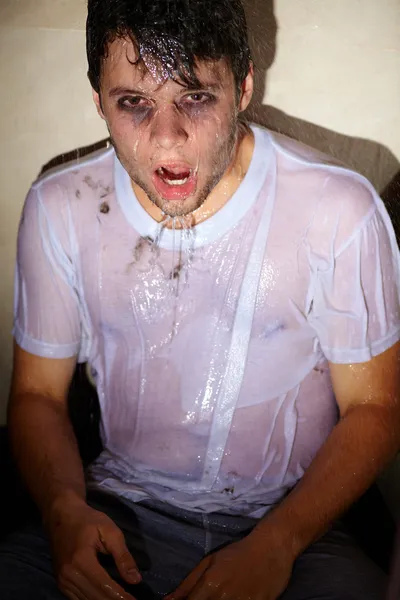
x=122 y=91
x=212 y=87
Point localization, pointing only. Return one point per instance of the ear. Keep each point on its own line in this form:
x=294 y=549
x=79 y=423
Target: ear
x=247 y=89
x=97 y=101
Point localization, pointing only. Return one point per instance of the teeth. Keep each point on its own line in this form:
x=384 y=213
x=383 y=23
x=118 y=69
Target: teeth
x=160 y=171
x=176 y=181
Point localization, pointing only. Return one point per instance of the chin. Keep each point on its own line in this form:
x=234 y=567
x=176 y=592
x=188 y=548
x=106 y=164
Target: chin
x=179 y=208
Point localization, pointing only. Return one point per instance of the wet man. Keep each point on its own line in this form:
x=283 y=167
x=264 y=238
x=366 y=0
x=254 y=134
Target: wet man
x=236 y=296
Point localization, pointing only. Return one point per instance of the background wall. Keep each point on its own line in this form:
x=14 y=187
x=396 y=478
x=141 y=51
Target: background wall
x=328 y=74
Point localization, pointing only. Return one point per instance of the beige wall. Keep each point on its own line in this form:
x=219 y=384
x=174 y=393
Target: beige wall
x=334 y=82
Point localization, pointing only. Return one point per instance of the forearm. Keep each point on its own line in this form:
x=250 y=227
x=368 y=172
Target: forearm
x=362 y=443
x=46 y=451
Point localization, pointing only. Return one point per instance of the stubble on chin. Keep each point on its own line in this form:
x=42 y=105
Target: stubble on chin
x=188 y=206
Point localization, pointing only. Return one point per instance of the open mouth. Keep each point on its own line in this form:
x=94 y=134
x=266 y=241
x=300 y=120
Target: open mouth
x=175 y=182
x=171 y=177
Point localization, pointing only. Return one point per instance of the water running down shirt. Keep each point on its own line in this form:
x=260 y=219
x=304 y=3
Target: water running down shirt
x=210 y=352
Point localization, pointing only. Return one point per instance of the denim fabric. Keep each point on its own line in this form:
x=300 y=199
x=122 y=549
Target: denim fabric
x=168 y=543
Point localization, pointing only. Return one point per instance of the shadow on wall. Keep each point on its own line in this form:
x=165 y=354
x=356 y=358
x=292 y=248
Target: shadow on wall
x=370 y=158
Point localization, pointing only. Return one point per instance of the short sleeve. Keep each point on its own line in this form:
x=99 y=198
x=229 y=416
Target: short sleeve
x=355 y=300
x=46 y=302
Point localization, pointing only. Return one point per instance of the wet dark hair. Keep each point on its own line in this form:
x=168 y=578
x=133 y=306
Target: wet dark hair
x=176 y=33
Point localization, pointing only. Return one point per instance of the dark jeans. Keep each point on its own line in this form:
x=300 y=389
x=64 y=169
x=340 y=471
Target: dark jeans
x=167 y=544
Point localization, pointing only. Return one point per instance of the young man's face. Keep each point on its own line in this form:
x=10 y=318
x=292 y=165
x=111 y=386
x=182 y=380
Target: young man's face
x=176 y=143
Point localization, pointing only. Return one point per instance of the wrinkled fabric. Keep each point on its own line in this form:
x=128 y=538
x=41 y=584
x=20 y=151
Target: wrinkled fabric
x=210 y=346
x=167 y=543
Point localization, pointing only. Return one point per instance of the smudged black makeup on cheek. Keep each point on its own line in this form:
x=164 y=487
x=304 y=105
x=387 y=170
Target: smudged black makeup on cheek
x=138 y=111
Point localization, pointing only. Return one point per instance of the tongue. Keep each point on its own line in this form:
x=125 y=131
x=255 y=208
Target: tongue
x=174 y=176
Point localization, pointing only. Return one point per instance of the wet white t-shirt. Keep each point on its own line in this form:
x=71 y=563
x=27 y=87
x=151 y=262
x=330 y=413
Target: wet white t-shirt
x=210 y=346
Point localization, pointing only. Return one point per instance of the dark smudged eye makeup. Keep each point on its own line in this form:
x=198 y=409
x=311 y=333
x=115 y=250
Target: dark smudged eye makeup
x=194 y=100
x=199 y=98
x=133 y=102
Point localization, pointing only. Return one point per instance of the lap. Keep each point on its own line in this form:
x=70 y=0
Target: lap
x=167 y=549
x=335 y=568
x=26 y=571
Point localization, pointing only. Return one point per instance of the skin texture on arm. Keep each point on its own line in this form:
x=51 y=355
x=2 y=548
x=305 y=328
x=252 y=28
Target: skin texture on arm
x=42 y=437
x=46 y=452
x=366 y=438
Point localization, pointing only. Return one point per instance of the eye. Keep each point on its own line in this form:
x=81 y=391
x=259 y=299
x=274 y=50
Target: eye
x=199 y=98
x=132 y=102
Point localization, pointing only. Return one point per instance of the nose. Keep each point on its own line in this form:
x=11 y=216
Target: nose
x=169 y=129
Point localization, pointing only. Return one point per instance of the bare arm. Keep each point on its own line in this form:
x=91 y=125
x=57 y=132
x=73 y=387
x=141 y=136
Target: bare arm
x=366 y=438
x=42 y=437
x=47 y=454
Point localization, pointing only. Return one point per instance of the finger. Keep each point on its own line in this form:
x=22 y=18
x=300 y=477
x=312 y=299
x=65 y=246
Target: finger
x=205 y=590
x=187 y=585
x=83 y=589
x=71 y=596
x=73 y=593
x=108 y=588
x=115 y=544
x=74 y=585
x=95 y=583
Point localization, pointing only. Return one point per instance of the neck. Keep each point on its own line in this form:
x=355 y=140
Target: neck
x=222 y=192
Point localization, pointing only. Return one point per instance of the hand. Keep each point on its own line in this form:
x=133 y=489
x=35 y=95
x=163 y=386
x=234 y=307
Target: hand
x=77 y=534
x=241 y=571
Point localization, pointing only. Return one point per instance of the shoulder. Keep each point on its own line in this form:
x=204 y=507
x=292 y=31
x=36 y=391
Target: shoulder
x=77 y=180
x=322 y=170
x=337 y=200
x=65 y=198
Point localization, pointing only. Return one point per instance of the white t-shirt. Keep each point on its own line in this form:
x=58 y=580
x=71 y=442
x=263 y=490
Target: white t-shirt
x=210 y=347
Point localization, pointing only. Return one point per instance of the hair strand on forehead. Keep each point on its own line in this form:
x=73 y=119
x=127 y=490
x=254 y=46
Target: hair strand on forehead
x=175 y=35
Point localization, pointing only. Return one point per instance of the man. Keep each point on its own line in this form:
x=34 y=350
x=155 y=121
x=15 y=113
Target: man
x=237 y=299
